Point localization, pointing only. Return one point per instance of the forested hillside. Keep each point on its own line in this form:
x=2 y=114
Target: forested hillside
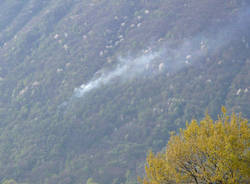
x=88 y=86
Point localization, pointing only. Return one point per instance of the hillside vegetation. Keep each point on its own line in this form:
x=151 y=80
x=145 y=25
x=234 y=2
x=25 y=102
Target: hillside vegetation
x=154 y=66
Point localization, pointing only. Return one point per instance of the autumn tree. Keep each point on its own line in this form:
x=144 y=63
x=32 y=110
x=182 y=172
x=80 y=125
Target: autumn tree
x=90 y=181
x=208 y=152
x=11 y=181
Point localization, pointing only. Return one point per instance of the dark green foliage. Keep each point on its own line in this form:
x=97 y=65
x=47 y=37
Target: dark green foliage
x=48 y=48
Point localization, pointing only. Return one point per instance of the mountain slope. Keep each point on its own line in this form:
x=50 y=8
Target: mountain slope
x=48 y=49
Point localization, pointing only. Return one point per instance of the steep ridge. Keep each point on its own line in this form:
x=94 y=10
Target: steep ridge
x=49 y=49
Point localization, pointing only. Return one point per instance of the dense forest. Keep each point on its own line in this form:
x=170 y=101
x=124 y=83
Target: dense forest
x=87 y=87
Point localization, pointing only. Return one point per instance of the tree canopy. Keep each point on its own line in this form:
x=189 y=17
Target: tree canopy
x=11 y=181
x=205 y=152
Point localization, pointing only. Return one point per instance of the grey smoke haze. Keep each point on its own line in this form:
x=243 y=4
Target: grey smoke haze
x=125 y=67
x=173 y=59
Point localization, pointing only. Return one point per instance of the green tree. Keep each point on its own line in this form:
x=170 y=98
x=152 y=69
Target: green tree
x=204 y=153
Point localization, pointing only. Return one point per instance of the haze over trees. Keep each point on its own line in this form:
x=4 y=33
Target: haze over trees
x=87 y=87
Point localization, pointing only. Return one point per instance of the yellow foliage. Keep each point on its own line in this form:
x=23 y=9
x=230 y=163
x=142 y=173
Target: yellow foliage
x=207 y=152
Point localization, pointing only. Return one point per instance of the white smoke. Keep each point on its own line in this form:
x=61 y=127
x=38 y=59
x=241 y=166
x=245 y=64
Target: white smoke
x=173 y=58
x=126 y=67
x=103 y=79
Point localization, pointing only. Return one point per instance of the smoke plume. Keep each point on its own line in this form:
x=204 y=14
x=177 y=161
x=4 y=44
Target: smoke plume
x=125 y=66
x=183 y=54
